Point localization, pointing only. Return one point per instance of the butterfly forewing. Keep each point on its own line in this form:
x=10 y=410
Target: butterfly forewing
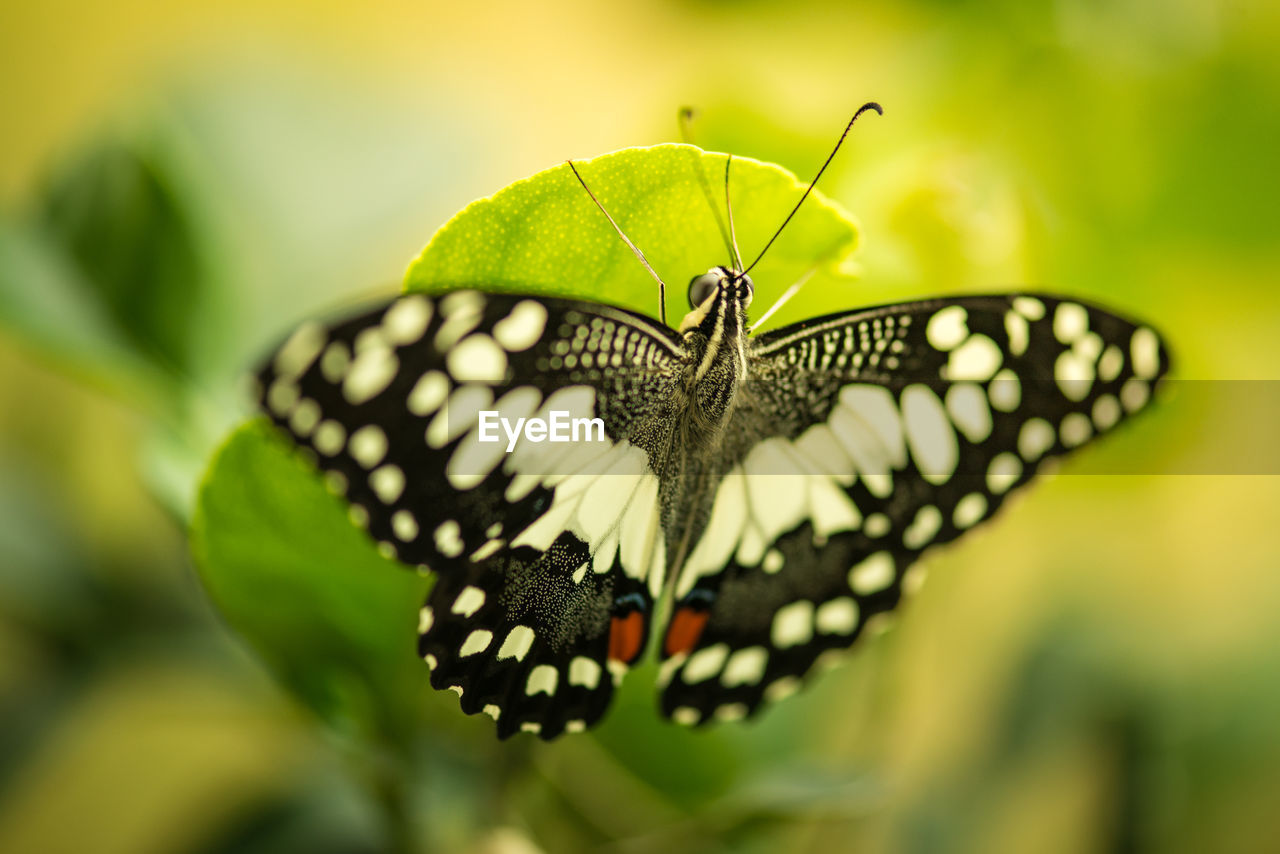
x=542 y=556
x=865 y=439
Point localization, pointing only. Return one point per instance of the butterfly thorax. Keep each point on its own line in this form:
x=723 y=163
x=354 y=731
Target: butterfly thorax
x=715 y=339
x=715 y=368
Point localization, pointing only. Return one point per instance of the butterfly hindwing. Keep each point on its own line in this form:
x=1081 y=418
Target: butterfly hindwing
x=867 y=438
x=541 y=555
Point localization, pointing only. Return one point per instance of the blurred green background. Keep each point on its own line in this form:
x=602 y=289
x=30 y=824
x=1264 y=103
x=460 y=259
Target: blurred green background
x=181 y=183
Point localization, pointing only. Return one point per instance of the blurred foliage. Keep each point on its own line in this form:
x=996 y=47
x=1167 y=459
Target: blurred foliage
x=181 y=184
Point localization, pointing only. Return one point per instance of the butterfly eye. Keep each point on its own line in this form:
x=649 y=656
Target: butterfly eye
x=748 y=289
x=702 y=287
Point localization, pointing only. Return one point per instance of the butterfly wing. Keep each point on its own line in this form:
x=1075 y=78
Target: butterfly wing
x=868 y=438
x=542 y=556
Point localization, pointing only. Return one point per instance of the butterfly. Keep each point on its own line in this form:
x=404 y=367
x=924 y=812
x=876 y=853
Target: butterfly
x=767 y=494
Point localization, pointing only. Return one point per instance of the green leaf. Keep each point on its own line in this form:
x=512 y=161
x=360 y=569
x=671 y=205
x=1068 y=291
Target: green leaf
x=545 y=235
x=120 y=216
x=43 y=298
x=335 y=620
x=307 y=588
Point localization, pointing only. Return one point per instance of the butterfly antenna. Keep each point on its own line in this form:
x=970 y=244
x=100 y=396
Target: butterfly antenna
x=786 y=295
x=662 y=286
x=685 y=119
x=870 y=105
x=728 y=206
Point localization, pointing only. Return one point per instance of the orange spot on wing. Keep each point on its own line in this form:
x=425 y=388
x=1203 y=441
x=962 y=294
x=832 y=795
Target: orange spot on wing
x=684 y=631
x=625 y=636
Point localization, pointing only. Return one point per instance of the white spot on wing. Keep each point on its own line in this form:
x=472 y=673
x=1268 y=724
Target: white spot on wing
x=428 y=393
x=368 y=445
x=875 y=407
x=1015 y=326
x=387 y=482
x=792 y=624
x=542 y=680
x=929 y=434
x=640 y=528
x=686 y=715
x=837 y=617
x=731 y=712
x=462 y=311
x=1074 y=374
x=877 y=525
x=1111 y=363
x=923 y=528
x=470 y=600
x=967 y=406
x=714 y=548
x=297 y=354
x=1144 y=349
x=473 y=460
x=478 y=641
x=1029 y=307
x=305 y=417
x=819 y=445
x=830 y=508
x=585 y=672
x=1075 y=429
x=969 y=510
x=977 y=359
x=477 y=358
x=520 y=329
x=745 y=667
x=873 y=574
x=947 y=328
x=1070 y=321
x=705 y=664
x=448 y=538
x=335 y=361
x=460 y=412
x=609 y=493
x=1035 y=437
x=1003 y=472
x=406 y=321
x=517 y=645
x=1106 y=412
x=775 y=488
x=1134 y=394
x=781 y=689
x=1005 y=391
x=370 y=374
x=486 y=551
x=404 y=526
x=282 y=396
x=870 y=459
x=329 y=437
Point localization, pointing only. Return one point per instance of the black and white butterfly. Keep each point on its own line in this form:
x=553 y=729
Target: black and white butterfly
x=766 y=495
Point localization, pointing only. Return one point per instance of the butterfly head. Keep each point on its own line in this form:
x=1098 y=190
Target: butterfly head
x=707 y=292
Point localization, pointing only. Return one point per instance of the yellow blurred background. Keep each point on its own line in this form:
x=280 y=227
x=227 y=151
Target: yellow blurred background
x=179 y=183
